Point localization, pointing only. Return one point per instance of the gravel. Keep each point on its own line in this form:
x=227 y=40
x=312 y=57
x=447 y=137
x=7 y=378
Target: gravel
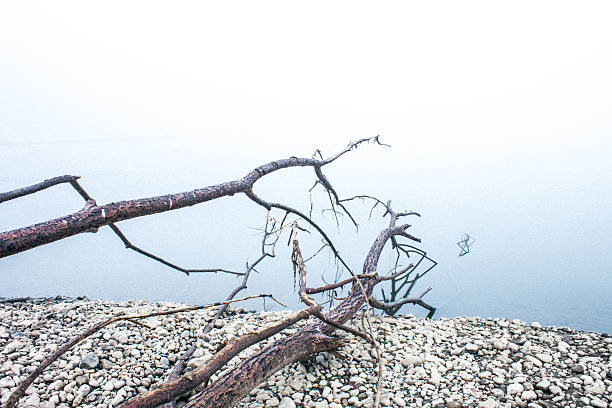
x=459 y=362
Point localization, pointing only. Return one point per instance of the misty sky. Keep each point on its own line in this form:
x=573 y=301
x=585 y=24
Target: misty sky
x=498 y=115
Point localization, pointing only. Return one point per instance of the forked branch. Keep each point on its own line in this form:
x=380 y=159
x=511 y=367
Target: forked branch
x=90 y=203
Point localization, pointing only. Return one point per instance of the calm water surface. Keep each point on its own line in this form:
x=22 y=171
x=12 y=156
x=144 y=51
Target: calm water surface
x=541 y=251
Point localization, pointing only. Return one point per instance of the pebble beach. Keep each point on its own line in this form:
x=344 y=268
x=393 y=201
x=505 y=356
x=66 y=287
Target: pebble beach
x=458 y=362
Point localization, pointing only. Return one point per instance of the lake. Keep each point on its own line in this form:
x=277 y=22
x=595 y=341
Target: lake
x=542 y=249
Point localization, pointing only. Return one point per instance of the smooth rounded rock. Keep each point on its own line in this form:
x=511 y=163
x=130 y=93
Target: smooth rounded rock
x=286 y=402
x=514 y=388
x=399 y=401
x=490 y=403
x=578 y=369
x=529 y=395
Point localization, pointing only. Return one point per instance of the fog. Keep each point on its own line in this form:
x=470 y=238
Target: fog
x=498 y=119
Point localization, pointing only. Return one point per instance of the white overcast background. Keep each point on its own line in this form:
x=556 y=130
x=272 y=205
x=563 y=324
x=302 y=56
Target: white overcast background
x=498 y=114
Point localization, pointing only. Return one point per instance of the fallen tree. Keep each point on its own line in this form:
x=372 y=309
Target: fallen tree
x=316 y=337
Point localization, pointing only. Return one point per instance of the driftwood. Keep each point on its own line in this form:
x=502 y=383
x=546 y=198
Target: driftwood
x=318 y=336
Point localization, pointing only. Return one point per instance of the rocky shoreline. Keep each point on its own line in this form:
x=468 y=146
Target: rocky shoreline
x=459 y=362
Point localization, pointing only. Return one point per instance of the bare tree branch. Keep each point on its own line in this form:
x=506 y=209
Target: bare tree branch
x=416 y=301
x=325 y=288
x=20 y=192
x=90 y=203
x=133 y=247
x=353 y=145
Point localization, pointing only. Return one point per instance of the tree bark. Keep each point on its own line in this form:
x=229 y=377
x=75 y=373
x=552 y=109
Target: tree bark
x=93 y=216
x=235 y=385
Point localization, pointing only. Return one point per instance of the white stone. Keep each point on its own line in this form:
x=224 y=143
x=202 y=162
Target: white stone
x=121 y=337
x=77 y=400
x=411 y=360
x=598 y=387
x=57 y=385
x=357 y=380
x=272 y=402
x=286 y=403
x=84 y=390
x=466 y=376
x=195 y=362
x=471 y=348
x=6 y=382
x=514 y=388
x=597 y=403
x=399 y=401
x=32 y=401
x=535 y=361
x=529 y=395
x=117 y=400
x=490 y=403
x=563 y=347
x=367 y=403
x=295 y=384
x=544 y=357
x=435 y=378
x=13 y=346
x=154 y=323
x=587 y=379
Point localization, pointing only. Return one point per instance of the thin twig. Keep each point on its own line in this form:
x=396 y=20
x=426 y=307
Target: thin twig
x=288 y=209
x=335 y=285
